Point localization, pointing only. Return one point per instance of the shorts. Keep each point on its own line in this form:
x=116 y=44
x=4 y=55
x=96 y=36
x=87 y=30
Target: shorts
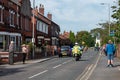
x=110 y=56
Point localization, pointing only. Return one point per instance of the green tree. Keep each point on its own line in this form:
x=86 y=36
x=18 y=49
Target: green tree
x=86 y=37
x=72 y=37
x=116 y=15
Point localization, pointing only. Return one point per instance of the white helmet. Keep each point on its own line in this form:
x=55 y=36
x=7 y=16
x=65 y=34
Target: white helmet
x=76 y=43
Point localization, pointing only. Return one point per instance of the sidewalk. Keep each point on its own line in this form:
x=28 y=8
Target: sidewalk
x=102 y=72
x=27 y=62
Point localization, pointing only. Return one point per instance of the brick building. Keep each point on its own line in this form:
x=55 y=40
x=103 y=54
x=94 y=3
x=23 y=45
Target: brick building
x=46 y=31
x=16 y=24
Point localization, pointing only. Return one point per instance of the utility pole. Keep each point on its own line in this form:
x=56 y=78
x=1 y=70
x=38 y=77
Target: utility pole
x=108 y=4
x=33 y=37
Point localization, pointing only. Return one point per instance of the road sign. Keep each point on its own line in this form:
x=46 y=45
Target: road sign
x=112 y=32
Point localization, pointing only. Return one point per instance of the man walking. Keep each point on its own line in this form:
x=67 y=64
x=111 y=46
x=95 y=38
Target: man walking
x=25 y=51
x=11 y=53
x=110 y=48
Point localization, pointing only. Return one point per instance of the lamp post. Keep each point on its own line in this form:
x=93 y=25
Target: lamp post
x=33 y=37
x=108 y=4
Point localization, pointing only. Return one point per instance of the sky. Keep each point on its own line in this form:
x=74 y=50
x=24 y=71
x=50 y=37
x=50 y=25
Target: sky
x=77 y=15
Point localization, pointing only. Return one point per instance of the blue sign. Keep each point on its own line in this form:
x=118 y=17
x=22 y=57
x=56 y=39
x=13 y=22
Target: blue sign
x=112 y=32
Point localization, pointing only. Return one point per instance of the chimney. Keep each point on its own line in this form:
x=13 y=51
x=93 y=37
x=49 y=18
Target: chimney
x=49 y=16
x=41 y=9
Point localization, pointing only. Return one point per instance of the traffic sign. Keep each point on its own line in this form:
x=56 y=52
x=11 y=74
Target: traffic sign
x=112 y=32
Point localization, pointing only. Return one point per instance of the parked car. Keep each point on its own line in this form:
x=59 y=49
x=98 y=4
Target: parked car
x=65 y=51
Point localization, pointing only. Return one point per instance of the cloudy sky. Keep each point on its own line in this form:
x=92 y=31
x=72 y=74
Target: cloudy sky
x=77 y=15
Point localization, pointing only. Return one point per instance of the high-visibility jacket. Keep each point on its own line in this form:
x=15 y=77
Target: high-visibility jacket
x=76 y=50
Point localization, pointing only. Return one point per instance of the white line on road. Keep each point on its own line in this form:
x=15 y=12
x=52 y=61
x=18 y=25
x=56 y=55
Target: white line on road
x=90 y=73
x=38 y=74
x=86 y=75
x=66 y=61
x=57 y=66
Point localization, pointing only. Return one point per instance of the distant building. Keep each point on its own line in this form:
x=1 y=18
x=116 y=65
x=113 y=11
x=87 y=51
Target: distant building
x=64 y=38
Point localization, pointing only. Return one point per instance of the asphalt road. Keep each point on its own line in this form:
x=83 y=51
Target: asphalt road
x=65 y=68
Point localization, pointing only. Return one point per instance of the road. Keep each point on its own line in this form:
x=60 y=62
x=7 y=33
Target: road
x=65 y=68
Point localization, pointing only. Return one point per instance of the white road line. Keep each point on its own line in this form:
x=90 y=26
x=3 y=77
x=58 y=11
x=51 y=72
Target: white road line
x=38 y=74
x=66 y=61
x=86 y=73
x=93 y=68
x=57 y=66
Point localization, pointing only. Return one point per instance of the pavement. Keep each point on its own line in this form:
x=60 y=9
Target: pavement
x=27 y=63
x=102 y=72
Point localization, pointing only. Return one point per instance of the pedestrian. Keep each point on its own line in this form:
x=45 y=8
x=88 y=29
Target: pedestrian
x=59 y=51
x=103 y=49
x=28 y=50
x=11 y=53
x=110 y=48
x=24 y=52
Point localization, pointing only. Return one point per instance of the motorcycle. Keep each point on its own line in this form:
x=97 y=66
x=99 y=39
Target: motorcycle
x=77 y=57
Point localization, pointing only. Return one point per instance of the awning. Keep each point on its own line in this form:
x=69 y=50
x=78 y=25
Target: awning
x=41 y=37
x=47 y=39
x=11 y=34
x=54 y=38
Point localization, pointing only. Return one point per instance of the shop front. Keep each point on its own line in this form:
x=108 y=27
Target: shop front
x=6 y=37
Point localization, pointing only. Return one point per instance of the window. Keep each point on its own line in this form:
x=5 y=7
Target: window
x=12 y=13
x=18 y=20
x=21 y=22
x=43 y=27
x=46 y=29
x=38 y=25
x=13 y=38
x=1 y=13
x=1 y=42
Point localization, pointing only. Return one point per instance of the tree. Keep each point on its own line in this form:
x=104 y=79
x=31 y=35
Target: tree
x=84 y=36
x=116 y=15
x=72 y=37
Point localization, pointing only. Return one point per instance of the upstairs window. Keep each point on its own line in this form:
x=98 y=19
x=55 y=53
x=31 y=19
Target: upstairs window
x=12 y=14
x=1 y=13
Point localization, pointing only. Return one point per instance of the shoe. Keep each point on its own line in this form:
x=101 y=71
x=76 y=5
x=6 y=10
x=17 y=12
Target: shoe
x=108 y=65
x=112 y=65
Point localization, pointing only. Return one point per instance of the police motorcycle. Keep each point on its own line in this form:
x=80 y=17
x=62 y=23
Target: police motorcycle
x=77 y=53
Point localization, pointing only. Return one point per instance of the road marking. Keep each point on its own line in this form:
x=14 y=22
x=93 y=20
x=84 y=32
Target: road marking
x=57 y=66
x=93 y=68
x=38 y=74
x=88 y=71
x=67 y=62
x=81 y=75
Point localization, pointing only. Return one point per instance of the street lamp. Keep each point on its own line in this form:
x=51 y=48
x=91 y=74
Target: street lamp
x=33 y=37
x=108 y=4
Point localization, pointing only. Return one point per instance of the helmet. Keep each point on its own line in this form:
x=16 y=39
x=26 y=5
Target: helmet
x=76 y=43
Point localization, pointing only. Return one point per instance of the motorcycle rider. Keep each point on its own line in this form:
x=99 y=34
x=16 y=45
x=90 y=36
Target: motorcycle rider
x=76 y=50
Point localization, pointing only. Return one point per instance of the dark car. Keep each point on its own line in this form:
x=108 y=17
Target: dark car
x=65 y=51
